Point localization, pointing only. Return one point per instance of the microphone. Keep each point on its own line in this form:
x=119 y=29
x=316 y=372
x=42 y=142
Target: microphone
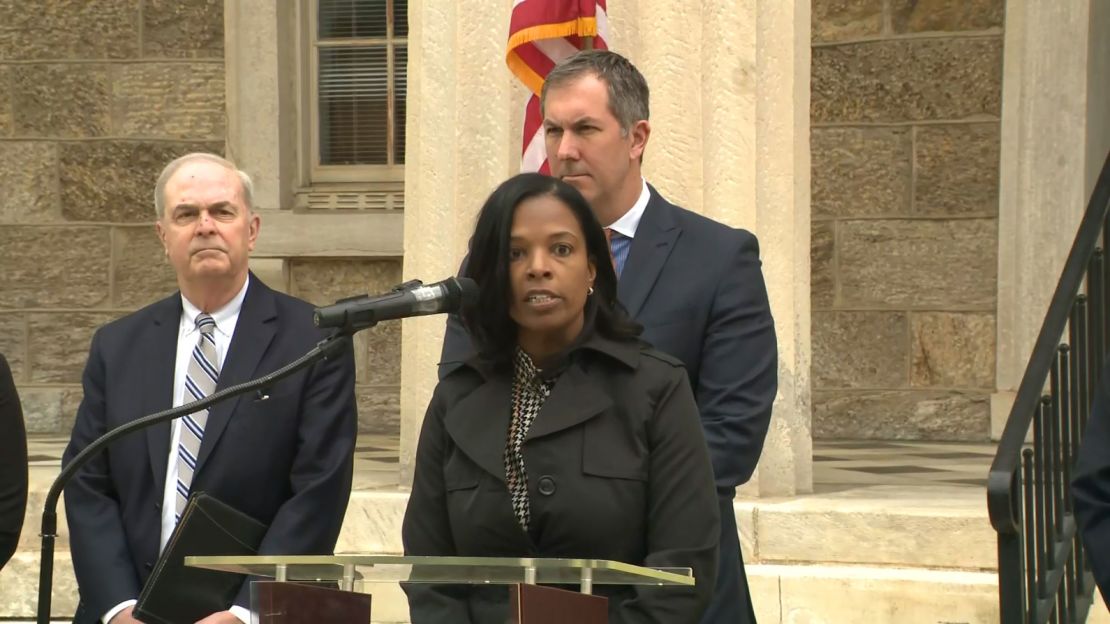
x=411 y=298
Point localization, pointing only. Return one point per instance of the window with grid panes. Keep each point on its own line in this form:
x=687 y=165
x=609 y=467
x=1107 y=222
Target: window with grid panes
x=359 y=55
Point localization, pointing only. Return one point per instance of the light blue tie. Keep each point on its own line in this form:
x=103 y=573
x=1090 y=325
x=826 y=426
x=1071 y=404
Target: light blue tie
x=619 y=245
x=200 y=381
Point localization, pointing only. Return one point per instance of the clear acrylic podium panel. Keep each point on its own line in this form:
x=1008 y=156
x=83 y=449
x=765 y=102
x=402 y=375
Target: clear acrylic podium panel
x=346 y=570
x=383 y=575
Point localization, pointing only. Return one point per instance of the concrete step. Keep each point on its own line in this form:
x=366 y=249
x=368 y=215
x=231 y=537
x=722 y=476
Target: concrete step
x=935 y=527
x=873 y=554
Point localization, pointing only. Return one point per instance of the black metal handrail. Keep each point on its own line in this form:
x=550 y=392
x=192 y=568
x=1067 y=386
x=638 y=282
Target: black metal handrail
x=1043 y=573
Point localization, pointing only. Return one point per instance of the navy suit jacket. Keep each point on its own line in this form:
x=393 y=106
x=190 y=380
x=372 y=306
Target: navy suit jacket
x=697 y=287
x=286 y=460
x=1091 y=486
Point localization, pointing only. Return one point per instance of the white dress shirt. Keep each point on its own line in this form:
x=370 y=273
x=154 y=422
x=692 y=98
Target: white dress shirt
x=630 y=221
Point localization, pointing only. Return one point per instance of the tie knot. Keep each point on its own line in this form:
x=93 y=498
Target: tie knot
x=205 y=323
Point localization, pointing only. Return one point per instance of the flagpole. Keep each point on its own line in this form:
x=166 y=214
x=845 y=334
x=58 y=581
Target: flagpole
x=587 y=43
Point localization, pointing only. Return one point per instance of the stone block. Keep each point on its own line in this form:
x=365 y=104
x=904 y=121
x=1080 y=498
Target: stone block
x=913 y=16
x=901 y=415
x=142 y=273
x=373 y=523
x=907 y=80
x=19 y=584
x=324 y=280
x=42 y=409
x=29 y=193
x=13 y=344
x=957 y=170
x=378 y=355
x=71 y=400
x=953 y=350
x=918 y=264
x=179 y=100
x=183 y=28
x=860 y=349
x=379 y=409
x=272 y=271
x=59 y=344
x=5 y=100
x=54 y=266
x=932 y=526
x=70 y=29
x=113 y=181
x=861 y=172
x=826 y=594
x=61 y=100
x=838 y=20
x=822 y=253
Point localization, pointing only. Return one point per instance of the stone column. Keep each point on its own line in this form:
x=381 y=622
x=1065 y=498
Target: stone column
x=730 y=139
x=782 y=221
x=459 y=147
x=1043 y=186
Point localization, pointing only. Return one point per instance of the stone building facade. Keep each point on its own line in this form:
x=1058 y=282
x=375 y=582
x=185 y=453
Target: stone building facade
x=902 y=128
x=905 y=149
x=97 y=98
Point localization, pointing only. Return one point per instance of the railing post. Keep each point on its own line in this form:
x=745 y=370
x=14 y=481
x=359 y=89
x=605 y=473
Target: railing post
x=1096 y=289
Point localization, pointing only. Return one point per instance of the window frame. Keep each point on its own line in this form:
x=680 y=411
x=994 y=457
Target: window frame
x=314 y=174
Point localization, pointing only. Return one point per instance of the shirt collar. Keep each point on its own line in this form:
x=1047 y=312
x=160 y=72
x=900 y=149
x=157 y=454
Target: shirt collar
x=223 y=316
x=628 y=223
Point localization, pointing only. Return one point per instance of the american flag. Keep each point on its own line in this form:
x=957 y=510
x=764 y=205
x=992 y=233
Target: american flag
x=542 y=33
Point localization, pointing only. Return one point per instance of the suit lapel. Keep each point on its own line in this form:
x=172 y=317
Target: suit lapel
x=157 y=386
x=654 y=240
x=253 y=333
x=575 y=399
x=470 y=423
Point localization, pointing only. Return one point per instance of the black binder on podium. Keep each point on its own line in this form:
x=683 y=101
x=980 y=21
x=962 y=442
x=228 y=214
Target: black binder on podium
x=175 y=594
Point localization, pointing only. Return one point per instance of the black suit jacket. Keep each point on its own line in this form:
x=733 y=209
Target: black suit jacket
x=697 y=287
x=13 y=465
x=286 y=460
x=617 y=469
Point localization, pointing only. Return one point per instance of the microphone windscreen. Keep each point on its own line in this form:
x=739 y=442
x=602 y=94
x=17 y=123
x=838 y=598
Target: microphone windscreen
x=468 y=289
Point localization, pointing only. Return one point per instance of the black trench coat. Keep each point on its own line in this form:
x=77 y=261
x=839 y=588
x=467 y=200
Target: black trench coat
x=617 y=469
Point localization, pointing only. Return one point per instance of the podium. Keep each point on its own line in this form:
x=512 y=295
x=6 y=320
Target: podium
x=305 y=586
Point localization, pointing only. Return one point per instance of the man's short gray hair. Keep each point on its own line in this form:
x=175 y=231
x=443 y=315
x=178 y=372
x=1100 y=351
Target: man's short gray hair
x=167 y=173
x=628 y=91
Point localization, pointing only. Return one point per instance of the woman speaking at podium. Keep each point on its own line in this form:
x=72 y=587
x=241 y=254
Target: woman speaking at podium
x=565 y=436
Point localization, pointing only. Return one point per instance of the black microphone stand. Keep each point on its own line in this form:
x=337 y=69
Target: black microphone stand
x=323 y=349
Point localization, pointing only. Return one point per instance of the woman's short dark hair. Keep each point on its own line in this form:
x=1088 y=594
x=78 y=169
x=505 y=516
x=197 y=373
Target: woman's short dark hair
x=488 y=321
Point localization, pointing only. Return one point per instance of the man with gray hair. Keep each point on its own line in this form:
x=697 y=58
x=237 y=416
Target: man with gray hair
x=285 y=460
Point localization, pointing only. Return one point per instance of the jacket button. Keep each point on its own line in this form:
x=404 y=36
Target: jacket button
x=148 y=565
x=546 y=485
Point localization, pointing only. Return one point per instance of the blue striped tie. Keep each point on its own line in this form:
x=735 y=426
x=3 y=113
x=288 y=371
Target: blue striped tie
x=619 y=246
x=200 y=381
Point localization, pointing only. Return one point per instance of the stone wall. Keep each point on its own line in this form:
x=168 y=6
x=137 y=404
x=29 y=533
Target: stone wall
x=97 y=98
x=905 y=151
x=378 y=349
